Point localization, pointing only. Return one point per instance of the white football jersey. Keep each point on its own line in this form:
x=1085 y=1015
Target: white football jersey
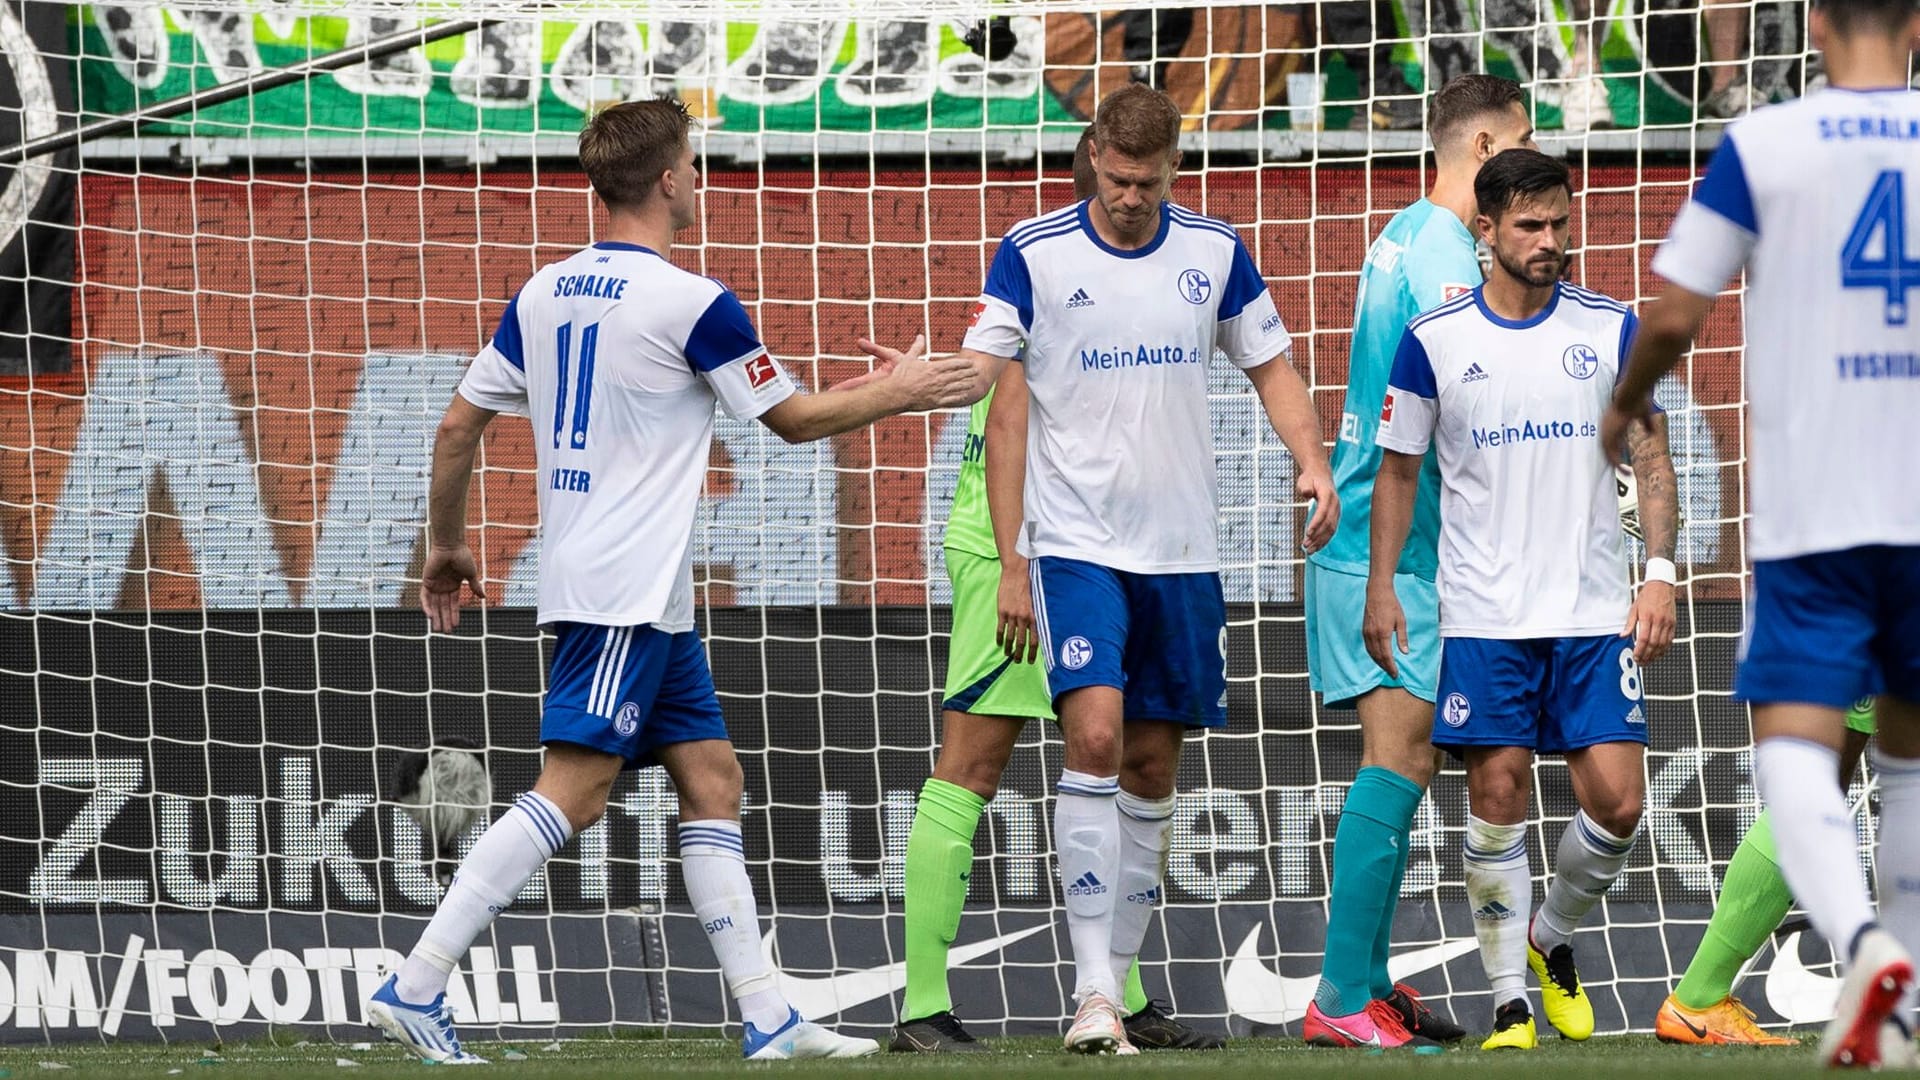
x=1530 y=541
x=617 y=356
x=1813 y=198
x=1120 y=467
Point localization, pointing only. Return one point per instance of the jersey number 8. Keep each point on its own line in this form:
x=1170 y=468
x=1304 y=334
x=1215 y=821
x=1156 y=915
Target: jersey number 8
x=1629 y=675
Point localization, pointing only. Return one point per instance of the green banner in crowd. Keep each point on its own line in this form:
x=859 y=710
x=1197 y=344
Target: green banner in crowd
x=1234 y=65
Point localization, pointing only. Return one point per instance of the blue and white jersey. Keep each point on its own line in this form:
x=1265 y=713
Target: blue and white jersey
x=1813 y=197
x=617 y=356
x=1120 y=468
x=1530 y=540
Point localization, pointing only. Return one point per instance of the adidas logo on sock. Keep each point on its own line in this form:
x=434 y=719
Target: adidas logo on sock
x=1086 y=885
x=1493 y=911
x=1151 y=896
x=1474 y=374
x=1079 y=299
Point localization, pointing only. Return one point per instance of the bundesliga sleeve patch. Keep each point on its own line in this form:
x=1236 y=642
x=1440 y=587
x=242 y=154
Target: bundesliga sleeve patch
x=973 y=318
x=1386 y=410
x=1451 y=290
x=761 y=371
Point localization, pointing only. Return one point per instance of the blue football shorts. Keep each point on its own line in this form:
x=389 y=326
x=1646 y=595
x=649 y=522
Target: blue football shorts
x=629 y=690
x=1160 y=639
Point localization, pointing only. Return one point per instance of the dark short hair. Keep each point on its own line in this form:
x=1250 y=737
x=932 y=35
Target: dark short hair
x=1086 y=183
x=1137 y=121
x=625 y=148
x=1465 y=99
x=1887 y=17
x=1511 y=174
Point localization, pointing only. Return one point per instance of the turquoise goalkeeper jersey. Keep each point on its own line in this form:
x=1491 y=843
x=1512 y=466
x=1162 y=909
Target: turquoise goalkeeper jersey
x=1424 y=256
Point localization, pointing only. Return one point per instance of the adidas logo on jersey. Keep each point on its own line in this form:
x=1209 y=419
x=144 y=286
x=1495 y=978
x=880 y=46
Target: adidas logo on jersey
x=1493 y=911
x=1636 y=716
x=1087 y=885
x=1474 y=374
x=1079 y=299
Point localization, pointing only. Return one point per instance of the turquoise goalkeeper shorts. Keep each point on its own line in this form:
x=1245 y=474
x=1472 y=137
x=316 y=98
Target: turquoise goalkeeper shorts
x=1337 y=656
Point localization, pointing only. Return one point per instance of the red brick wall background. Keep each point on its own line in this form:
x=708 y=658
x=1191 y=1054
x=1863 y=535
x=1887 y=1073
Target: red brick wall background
x=291 y=279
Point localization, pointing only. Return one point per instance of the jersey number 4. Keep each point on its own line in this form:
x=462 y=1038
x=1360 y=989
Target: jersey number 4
x=1875 y=254
x=582 y=385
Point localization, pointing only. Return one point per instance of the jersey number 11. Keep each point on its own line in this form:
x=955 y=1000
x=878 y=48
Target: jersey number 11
x=582 y=387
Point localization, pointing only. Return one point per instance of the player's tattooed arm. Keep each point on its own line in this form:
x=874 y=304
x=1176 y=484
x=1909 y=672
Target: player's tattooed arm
x=1658 y=489
x=1651 y=618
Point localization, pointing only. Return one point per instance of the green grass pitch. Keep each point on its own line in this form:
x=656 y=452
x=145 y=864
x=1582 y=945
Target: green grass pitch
x=1635 y=1057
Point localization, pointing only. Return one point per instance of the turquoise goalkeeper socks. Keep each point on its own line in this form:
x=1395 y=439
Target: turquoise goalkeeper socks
x=1369 y=857
x=1380 y=982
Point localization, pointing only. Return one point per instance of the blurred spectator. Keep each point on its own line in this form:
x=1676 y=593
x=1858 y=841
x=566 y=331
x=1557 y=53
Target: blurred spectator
x=1224 y=66
x=1151 y=38
x=1364 y=32
x=1731 y=93
x=1533 y=43
x=1453 y=35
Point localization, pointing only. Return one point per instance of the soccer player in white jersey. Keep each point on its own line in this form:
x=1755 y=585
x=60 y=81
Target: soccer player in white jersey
x=1813 y=198
x=618 y=356
x=989 y=698
x=1121 y=302
x=1424 y=256
x=1508 y=383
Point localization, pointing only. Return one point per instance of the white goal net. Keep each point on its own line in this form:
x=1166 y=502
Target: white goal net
x=227 y=336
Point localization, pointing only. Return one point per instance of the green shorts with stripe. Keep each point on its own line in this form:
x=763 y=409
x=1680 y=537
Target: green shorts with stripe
x=980 y=678
x=1860 y=718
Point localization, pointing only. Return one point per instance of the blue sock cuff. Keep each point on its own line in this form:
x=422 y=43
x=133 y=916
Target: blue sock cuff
x=1599 y=840
x=549 y=825
x=1078 y=783
x=1384 y=796
x=712 y=837
x=1490 y=846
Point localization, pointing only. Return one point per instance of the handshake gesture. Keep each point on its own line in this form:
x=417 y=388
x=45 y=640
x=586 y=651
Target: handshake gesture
x=915 y=383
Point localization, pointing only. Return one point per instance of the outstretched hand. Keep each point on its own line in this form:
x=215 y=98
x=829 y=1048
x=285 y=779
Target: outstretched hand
x=924 y=384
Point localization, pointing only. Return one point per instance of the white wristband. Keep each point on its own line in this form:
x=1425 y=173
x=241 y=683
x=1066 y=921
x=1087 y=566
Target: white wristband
x=1659 y=569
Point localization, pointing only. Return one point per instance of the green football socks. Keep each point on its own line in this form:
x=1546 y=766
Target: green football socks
x=1753 y=900
x=939 y=869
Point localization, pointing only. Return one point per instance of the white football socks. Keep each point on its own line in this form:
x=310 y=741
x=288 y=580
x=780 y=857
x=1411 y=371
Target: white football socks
x=713 y=862
x=1146 y=834
x=1086 y=833
x=1500 y=894
x=1813 y=833
x=1897 y=860
x=1589 y=860
x=501 y=863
